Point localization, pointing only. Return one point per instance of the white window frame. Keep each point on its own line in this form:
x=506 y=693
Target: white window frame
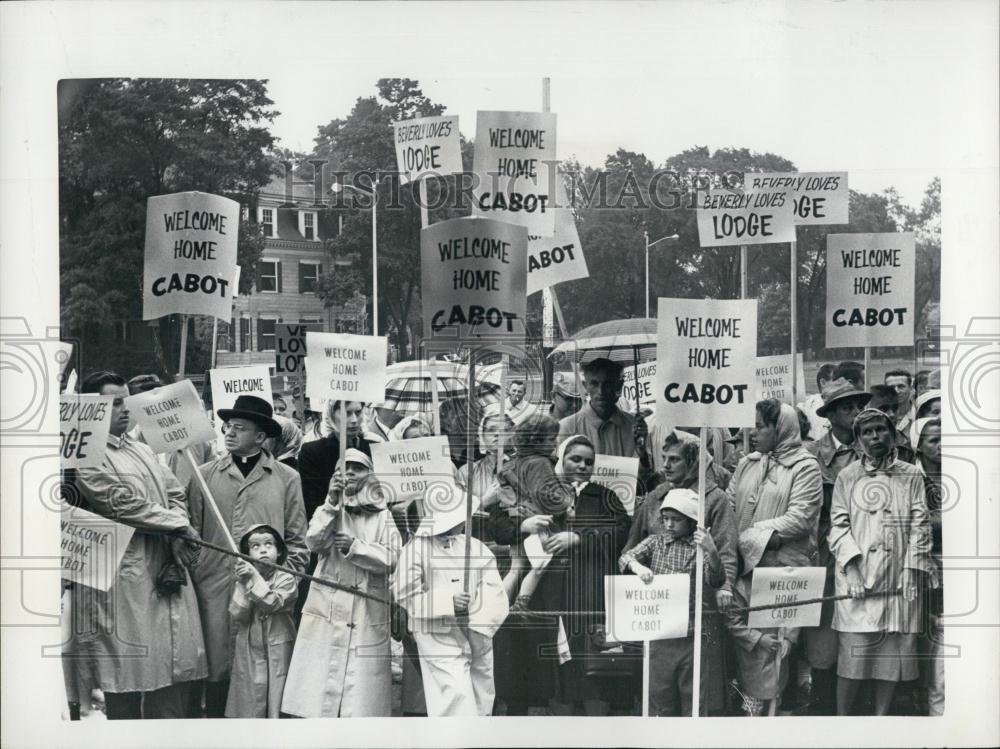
x=273 y=223
x=315 y=224
x=276 y=261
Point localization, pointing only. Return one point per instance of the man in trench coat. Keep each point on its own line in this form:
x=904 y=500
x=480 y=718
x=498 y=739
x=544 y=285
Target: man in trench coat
x=143 y=649
x=250 y=488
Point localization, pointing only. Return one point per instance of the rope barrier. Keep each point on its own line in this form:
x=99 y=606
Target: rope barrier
x=354 y=590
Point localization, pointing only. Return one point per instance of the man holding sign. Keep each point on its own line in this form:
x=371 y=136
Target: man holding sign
x=147 y=645
x=251 y=488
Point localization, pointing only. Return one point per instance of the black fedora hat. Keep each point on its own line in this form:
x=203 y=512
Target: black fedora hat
x=253 y=409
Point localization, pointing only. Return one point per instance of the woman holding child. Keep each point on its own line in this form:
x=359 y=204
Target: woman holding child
x=584 y=537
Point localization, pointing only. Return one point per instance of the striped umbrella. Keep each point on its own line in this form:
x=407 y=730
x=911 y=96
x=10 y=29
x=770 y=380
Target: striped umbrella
x=631 y=341
x=408 y=386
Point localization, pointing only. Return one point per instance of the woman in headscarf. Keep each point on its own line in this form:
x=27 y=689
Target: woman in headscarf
x=484 y=470
x=341 y=663
x=680 y=471
x=925 y=436
x=880 y=537
x=928 y=404
x=584 y=550
x=285 y=447
x=411 y=427
x=778 y=494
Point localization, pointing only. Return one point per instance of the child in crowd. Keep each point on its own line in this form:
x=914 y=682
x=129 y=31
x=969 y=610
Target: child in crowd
x=541 y=497
x=261 y=610
x=761 y=654
x=670 y=552
x=453 y=628
x=341 y=663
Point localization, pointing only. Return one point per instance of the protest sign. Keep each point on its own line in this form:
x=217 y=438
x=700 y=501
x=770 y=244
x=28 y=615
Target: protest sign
x=818 y=198
x=707 y=350
x=413 y=468
x=170 y=417
x=345 y=367
x=474 y=273
x=637 y=612
x=190 y=258
x=620 y=475
x=229 y=383
x=774 y=377
x=870 y=289
x=92 y=547
x=427 y=145
x=558 y=258
x=732 y=218
x=516 y=169
x=775 y=585
x=84 y=421
x=647 y=387
x=290 y=348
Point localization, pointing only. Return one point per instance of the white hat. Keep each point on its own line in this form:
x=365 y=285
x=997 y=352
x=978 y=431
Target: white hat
x=443 y=510
x=684 y=501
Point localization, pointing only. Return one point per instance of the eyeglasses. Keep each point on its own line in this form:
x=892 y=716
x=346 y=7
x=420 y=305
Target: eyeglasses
x=237 y=428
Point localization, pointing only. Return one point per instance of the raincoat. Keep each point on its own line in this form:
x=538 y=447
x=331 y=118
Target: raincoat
x=265 y=635
x=130 y=639
x=270 y=495
x=879 y=516
x=341 y=662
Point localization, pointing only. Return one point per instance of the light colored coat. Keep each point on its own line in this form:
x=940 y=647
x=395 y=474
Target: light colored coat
x=136 y=641
x=782 y=496
x=879 y=517
x=265 y=635
x=341 y=663
x=271 y=494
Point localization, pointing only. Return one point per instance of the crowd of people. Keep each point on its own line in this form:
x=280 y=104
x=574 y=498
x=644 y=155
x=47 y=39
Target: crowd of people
x=339 y=593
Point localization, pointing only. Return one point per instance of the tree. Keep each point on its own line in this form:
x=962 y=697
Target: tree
x=362 y=143
x=122 y=141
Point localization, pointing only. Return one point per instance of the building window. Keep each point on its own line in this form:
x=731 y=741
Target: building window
x=309 y=225
x=267 y=221
x=266 y=330
x=309 y=274
x=245 y=339
x=222 y=341
x=269 y=276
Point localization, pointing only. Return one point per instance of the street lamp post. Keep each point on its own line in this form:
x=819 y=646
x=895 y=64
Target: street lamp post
x=336 y=187
x=645 y=234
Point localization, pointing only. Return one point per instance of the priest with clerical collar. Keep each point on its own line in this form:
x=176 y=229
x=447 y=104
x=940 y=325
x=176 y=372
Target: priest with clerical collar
x=251 y=488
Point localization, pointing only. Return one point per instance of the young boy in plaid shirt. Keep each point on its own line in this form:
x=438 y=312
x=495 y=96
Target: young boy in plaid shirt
x=671 y=552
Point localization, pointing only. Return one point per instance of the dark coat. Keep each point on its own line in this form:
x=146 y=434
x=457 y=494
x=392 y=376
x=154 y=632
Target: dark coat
x=574 y=581
x=317 y=462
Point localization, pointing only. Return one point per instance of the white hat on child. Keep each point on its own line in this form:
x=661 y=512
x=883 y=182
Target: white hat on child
x=443 y=508
x=684 y=501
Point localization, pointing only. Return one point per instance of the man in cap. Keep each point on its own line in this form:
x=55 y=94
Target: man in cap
x=902 y=382
x=567 y=395
x=835 y=450
x=250 y=488
x=144 y=642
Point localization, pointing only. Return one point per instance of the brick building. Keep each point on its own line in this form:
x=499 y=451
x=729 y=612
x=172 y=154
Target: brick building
x=287 y=274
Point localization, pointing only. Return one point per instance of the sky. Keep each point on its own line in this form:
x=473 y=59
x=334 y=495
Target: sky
x=849 y=86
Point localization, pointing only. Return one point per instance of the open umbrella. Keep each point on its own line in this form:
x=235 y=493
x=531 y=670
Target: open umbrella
x=408 y=386
x=631 y=340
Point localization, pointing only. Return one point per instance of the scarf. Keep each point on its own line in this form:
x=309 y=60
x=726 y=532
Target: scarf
x=367 y=496
x=870 y=463
x=397 y=432
x=564 y=446
x=287 y=444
